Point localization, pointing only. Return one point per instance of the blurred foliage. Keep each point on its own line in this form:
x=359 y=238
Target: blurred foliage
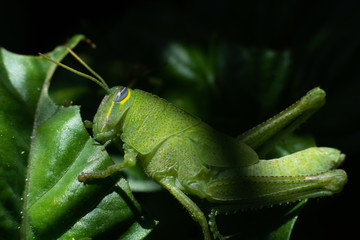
x=233 y=63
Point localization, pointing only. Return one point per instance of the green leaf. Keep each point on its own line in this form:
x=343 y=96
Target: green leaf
x=283 y=231
x=189 y=64
x=266 y=223
x=291 y=144
x=43 y=148
x=227 y=77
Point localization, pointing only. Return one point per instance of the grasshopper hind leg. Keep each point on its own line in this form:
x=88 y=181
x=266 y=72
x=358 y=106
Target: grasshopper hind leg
x=266 y=135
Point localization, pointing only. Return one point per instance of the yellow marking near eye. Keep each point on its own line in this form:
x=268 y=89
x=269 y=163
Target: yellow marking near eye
x=126 y=98
x=121 y=103
x=110 y=108
x=107 y=115
x=112 y=105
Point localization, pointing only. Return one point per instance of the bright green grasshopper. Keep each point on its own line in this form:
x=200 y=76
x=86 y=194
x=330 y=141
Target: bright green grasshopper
x=187 y=156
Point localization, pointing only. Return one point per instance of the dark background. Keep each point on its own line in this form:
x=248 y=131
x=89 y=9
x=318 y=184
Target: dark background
x=323 y=38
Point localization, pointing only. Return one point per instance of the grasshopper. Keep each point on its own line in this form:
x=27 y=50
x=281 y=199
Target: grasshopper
x=188 y=157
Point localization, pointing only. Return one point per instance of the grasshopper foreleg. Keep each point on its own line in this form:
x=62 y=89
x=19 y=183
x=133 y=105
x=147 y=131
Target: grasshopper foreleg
x=129 y=161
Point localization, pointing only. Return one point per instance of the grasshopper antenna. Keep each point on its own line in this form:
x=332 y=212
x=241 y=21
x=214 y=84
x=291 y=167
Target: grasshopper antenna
x=97 y=79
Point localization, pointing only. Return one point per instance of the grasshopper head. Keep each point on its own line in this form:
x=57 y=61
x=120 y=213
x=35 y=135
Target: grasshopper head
x=107 y=123
x=108 y=120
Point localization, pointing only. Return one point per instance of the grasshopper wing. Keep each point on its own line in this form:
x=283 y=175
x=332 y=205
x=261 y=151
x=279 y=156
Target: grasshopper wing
x=219 y=150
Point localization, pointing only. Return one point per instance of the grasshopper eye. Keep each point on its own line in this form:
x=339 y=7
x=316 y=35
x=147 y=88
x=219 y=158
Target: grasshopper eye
x=121 y=94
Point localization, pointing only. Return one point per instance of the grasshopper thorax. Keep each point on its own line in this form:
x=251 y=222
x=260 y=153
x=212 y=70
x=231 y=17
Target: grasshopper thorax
x=109 y=118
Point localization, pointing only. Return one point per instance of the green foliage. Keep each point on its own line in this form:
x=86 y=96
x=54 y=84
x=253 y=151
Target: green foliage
x=322 y=48
x=44 y=147
x=41 y=195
